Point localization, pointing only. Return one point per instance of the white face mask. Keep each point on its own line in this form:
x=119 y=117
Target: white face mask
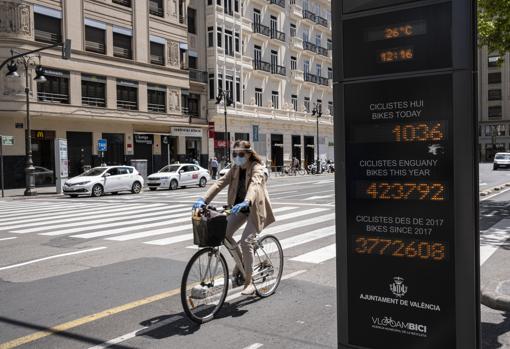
x=240 y=161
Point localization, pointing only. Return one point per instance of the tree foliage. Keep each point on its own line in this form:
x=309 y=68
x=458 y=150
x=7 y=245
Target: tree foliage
x=494 y=24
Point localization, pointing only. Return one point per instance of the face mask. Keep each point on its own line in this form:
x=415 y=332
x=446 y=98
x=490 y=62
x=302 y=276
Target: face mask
x=240 y=161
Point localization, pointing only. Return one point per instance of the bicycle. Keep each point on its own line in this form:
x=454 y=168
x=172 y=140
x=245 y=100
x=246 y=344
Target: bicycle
x=206 y=280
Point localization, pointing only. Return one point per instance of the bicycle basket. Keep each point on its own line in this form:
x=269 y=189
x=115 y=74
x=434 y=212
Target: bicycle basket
x=209 y=229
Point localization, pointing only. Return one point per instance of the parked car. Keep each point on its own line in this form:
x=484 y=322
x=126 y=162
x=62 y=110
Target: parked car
x=108 y=179
x=178 y=175
x=225 y=170
x=43 y=176
x=501 y=160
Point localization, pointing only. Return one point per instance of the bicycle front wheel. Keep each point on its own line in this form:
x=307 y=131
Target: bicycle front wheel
x=268 y=265
x=204 y=285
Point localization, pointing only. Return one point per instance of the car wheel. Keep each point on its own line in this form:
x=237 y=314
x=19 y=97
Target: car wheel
x=173 y=184
x=97 y=191
x=495 y=167
x=115 y=193
x=136 y=188
x=152 y=189
x=202 y=182
x=73 y=195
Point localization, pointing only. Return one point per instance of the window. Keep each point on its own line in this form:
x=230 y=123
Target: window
x=126 y=3
x=156 y=8
x=330 y=107
x=220 y=83
x=294 y=102
x=495 y=95
x=229 y=48
x=257 y=53
x=318 y=40
x=236 y=5
x=227 y=8
x=238 y=89
x=127 y=94
x=237 y=43
x=211 y=86
x=193 y=105
x=330 y=44
x=293 y=63
x=157 y=53
x=219 y=34
x=307 y=104
x=210 y=36
x=93 y=90
x=229 y=85
x=95 y=38
x=330 y=73
x=293 y=30
x=318 y=69
x=495 y=112
x=256 y=16
x=258 y=97
x=56 y=88
x=306 y=66
x=193 y=64
x=493 y=61
x=319 y=105
x=209 y=2
x=47 y=26
x=192 y=26
x=275 y=99
x=122 y=45
x=156 y=98
x=495 y=78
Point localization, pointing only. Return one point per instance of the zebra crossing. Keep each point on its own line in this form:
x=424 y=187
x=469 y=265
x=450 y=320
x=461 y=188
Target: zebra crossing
x=158 y=224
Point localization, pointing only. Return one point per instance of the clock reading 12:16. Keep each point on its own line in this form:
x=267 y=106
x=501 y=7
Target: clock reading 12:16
x=396 y=55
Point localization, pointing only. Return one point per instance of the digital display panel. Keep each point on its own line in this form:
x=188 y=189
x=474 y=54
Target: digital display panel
x=359 y=5
x=402 y=41
x=399 y=218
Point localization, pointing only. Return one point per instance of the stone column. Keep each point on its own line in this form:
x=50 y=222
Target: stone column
x=73 y=19
x=141 y=30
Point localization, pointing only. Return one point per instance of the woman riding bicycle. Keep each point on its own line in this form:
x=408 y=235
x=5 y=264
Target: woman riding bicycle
x=247 y=190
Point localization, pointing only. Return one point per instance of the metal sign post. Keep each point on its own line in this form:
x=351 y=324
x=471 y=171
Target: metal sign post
x=406 y=184
x=102 y=146
x=4 y=141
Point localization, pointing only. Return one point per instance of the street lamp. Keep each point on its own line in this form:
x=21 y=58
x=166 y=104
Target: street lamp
x=317 y=111
x=27 y=62
x=225 y=96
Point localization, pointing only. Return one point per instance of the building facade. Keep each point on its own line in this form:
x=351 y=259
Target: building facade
x=273 y=60
x=127 y=82
x=493 y=103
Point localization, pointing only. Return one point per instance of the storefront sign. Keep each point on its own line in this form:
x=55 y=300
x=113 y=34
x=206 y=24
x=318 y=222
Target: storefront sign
x=143 y=139
x=211 y=130
x=186 y=132
x=102 y=145
x=255 y=133
x=220 y=143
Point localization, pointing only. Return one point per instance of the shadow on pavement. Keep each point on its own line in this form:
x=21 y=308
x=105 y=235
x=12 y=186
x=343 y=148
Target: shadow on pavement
x=491 y=332
x=54 y=332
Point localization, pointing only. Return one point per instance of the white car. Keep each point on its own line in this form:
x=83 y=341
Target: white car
x=501 y=160
x=107 y=179
x=225 y=170
x=178 y=175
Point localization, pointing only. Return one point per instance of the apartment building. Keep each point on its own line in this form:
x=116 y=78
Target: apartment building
x=127 y=82
x=493 y=103
x=273 y=59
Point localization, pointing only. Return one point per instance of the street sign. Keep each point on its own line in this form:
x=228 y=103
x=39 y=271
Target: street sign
x=7 y=140
x=407 y=228
x=102 y=145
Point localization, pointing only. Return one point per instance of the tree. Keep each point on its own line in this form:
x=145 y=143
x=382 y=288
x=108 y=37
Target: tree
x=494 y=24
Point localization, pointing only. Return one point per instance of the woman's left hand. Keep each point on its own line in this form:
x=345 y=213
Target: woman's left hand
x=240 y=207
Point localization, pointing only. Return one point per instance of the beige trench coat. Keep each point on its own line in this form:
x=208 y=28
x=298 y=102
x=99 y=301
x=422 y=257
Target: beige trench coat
x=261 y=212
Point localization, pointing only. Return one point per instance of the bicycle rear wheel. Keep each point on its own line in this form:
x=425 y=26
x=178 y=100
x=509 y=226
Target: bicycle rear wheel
x=204 y=285
x=268 y=265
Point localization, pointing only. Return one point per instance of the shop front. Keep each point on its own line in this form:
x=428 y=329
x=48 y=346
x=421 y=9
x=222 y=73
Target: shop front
x=276 y=151
x=43 y=157
x=114 y=154
x=309 y=150
x=169 y=153
x=143 y=150
x=221 y=145
x=79 y=147
x=192 y=144
x=296 y=147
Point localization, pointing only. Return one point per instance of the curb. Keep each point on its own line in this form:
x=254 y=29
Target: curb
x=495 y=189
x=492 y=298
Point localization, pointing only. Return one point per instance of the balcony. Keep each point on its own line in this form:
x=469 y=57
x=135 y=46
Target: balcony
x=297 y=75
x=280 y=3
x=127 y=105
x=278 y=69
x=246 y=24
x=322 y=51
x=48 y=37
x=157 y=108
x=321 y=21
x=93 y=101
x=93 y=46
x=309 y=15
x=297 y=43
x=121 y=52
x=278 y=35
x=259 y=28
x=296 y=11
x=261 y=65
x=310 y=78
x=308 y=46
x=322 y=81
x=198 y=76
x=53 y=97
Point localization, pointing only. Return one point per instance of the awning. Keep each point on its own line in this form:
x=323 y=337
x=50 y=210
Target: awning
x=43 y=10
x=95 y=24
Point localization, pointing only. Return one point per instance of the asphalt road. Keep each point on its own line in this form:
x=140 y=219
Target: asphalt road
x=79 y=273
x=490 y=178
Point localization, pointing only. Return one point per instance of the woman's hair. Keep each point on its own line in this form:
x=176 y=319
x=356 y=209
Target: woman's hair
x=246 y=146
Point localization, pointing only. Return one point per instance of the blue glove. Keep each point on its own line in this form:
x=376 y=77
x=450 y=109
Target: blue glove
x=199 y=203
x=239 y=207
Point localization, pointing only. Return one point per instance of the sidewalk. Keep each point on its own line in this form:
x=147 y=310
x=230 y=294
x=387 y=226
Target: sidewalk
x=41 y=191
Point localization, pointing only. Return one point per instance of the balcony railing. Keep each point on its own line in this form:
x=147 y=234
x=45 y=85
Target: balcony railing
x=155 y=9
x=93 y=46
x=53 y=97
x=121 y=52
x=278 y=35
x=126 y=3
x=261 y=29
x=307 y=45
x=278 y=69
x=280 y=3
x=322 y=51
x=127 y=105
x=93 y=101
x=198 y=75
x=156 y=59
x=48 y=37
x=321 y=21
x=310 y=77
x=190 y=112
x=261 y=65
x=309 y=15
x=158 y=108
x=322 y=81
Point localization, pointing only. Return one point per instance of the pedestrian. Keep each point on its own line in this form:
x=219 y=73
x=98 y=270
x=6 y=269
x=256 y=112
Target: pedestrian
x=214 y=167
x=246 y=190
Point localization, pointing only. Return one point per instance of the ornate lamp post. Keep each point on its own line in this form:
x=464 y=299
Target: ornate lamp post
x=317 y=111
x=224 y=95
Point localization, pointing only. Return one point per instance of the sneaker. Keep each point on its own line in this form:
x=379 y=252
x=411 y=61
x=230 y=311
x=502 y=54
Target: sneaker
x=248 y=290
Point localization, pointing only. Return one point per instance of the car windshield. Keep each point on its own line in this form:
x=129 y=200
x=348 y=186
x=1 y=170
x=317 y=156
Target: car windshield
x=502 y=156
x=94 y=172
x=171 y=168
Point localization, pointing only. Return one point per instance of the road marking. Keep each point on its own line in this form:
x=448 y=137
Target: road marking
x=490 y=214
x=133 y=334
x=51 y=257
x=493 y=238
x=146 y=227
x=496 y=194
x=37 y=212
x=317 y=256
x=254 y=346
x=11 y=238
x=319 y=197
x=307 y=237
x=302 y=194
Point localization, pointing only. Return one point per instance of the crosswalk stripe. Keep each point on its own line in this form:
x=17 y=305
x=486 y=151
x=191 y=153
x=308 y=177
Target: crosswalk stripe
x=79 y=218
x=319 y=197
x=307 y=237
x=301 y=213
x=61 y=212
x=23 y=211
x=317 y=256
